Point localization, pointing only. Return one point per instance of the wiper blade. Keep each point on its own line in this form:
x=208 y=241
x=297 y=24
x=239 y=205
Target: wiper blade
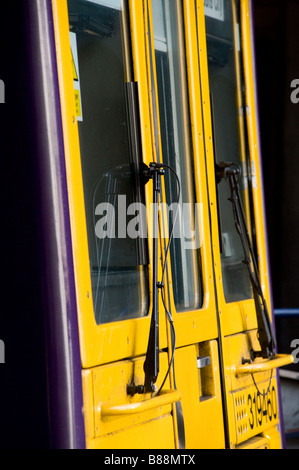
x=232 y=172
x=151 y=364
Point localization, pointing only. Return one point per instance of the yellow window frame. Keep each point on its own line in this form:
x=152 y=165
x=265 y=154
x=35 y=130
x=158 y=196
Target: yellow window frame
x=107 y=343
x=235 y=316
x=197 y=325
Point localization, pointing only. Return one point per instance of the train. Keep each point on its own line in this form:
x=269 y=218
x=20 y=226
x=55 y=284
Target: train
x=138 y=311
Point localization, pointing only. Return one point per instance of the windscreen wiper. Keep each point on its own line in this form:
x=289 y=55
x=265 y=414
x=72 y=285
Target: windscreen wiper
x=151 y=363
x=232 y=172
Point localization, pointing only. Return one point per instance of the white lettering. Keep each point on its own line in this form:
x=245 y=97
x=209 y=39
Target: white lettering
x=2 y=352
x=295 y=93
x=105 y=227
x=186 y=220
x=115 y=460
x=295 y=353
x=2 y=92
x=137 y=227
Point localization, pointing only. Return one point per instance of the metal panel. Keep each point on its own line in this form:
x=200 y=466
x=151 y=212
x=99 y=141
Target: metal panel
x=64 y=375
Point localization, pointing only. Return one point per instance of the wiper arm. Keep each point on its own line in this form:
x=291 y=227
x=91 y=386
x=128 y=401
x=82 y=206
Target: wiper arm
x=151 y=364
x=232 y=172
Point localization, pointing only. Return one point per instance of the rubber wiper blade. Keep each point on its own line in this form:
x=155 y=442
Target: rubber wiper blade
x=232 y=172
x=151 y=364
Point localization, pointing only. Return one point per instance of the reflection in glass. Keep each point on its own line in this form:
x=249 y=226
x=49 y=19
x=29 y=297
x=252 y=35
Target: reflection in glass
x=118 y=263
x=176 y=146
x=223 y=47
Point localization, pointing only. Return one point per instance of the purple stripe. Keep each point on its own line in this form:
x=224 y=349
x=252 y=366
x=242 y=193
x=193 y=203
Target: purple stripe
x=61 y=323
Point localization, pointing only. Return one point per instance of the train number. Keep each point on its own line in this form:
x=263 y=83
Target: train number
x=262 y=407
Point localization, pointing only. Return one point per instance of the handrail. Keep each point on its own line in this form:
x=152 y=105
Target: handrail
x=166 y=397
x=279 y=360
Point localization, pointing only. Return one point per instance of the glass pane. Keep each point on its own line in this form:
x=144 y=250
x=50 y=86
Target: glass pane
x=101 y=64
x=223 y=46
x=177 y=149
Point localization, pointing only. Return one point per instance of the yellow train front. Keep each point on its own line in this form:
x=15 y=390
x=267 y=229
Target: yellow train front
x=150 y=144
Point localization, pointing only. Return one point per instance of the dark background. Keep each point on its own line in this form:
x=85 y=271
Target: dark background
x=277 y=55
x=276 y=24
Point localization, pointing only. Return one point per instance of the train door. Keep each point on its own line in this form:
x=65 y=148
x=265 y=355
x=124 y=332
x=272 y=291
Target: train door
x=132 y=78
x=103 y=142
x=235 y=189
x=166 y=309
x=192 y=301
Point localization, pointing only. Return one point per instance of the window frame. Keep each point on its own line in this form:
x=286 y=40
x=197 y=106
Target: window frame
x=111 y=342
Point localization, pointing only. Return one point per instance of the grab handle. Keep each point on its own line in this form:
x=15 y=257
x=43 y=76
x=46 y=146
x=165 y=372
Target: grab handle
x=166 y=397
x=279 y=360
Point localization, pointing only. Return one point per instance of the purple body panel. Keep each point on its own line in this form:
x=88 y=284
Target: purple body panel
x=65 y=398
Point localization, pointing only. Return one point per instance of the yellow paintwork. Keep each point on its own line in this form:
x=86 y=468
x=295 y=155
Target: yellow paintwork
x=241 y=409
x=73 y=164
x=238 y=316
x=112 y=355
x=251 y=108
x=196 y=326
x=244 y=412
x=202 y=407
x=269 y=441
x=154 y=434
x=241 y=112
x=99 y=344
x=165 y=397
x=104 y=389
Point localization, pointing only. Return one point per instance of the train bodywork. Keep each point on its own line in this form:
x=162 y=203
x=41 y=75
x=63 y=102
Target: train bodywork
x=94 y=390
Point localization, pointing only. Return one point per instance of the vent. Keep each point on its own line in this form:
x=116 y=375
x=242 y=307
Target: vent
x=242 y=425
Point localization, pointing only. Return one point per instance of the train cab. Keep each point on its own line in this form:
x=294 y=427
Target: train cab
x=160 y=297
